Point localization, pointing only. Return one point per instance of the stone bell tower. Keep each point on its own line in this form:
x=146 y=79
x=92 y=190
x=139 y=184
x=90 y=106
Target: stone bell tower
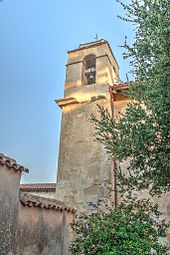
x=84 y=171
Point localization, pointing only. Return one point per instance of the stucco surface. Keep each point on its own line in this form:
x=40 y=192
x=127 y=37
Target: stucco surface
x=85 y=171
x=40 y=228
x=84 y=168
x=43 y=231
x=9 y=208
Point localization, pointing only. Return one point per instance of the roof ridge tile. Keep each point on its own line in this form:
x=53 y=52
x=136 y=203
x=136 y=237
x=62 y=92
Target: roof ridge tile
x=9 y=163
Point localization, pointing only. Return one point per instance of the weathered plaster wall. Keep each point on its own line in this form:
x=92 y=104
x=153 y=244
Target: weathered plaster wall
x=107 y=69
x=48 y=194
x=43 y=231
x=9 y=208
x=30 y=224
x=84 y=170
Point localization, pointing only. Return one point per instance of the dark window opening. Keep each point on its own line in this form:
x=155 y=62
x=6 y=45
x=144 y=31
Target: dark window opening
x=90 y=69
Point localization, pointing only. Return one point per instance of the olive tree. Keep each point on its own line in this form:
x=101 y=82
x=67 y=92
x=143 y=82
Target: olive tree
x=142 y=134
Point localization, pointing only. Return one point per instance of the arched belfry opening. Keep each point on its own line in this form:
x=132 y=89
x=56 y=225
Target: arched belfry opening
x=89 y=70
x=80 y=177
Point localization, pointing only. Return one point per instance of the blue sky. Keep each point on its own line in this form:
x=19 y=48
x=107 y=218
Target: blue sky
x=35 y=38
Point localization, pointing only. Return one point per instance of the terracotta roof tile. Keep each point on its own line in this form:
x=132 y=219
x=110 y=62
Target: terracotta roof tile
x=120 y=86
x=115 y=88
x=30 y=200
x=49 y=187
x=11 y=164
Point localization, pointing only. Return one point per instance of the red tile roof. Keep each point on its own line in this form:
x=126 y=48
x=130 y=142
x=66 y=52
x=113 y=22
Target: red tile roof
x=119 y=87
x=12 y=164
x=31 y=200
x=49 y=187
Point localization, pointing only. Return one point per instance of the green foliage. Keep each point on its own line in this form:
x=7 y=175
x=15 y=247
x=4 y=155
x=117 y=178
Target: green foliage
x=141 y=136
x=143 y=133
x=132 y=228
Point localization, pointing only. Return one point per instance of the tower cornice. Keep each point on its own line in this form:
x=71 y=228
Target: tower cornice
x=94 y=44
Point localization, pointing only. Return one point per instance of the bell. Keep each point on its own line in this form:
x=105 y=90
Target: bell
x=91 y=77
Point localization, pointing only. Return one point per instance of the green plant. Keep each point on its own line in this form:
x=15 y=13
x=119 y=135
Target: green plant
x=142 y=135
x=132 y=228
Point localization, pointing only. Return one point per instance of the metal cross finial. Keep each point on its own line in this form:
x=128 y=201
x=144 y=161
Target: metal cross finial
x=127 y=78
x=96 y=37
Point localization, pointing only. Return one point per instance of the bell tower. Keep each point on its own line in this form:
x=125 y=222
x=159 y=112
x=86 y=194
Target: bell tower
x=84 y=170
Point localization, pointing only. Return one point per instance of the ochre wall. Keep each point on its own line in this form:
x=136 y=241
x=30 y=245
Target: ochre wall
x=84 y=168
x=40 y=226
x=43 y=231
x=107 y=70
x=9 y=208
